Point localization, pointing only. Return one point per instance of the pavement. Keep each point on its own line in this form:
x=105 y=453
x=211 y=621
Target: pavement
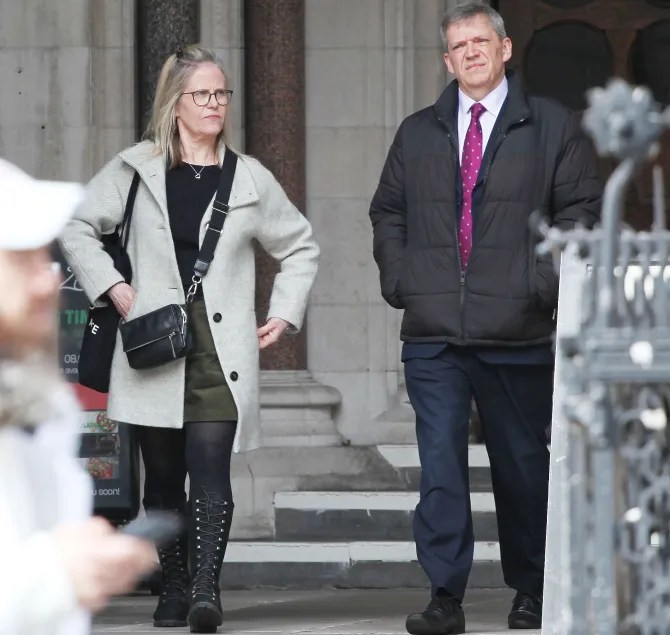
x=331 y=612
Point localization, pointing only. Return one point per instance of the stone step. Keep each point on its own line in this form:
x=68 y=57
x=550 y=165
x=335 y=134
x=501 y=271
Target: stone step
x=347 y=516
x=407 y=455
x=356 y=564
x=405 y=459
x=343 y=525
x=400 y=501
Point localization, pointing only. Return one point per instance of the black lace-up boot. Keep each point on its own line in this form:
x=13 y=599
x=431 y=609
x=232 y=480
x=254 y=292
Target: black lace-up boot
x=211 y=519
x=172 y=609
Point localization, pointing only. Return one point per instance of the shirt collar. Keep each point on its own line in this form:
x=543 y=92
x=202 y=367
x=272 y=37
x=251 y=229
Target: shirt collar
x=492 y=102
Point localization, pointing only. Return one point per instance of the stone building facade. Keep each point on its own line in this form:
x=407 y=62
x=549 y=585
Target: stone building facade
x=320 y=89
x=318 y=97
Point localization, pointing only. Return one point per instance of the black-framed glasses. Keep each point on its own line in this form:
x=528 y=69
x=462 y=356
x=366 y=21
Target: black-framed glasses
x=202 y=97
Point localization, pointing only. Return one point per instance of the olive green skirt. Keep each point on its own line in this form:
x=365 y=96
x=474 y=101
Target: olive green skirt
x=207 y=396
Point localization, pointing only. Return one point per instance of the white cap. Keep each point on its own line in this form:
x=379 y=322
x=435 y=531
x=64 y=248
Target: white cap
x=33 y=212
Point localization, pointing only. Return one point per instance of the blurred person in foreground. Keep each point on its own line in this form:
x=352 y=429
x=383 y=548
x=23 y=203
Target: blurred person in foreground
x=58 y=564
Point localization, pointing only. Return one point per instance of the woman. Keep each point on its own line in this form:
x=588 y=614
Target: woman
x=190 y=414
x=57 y=563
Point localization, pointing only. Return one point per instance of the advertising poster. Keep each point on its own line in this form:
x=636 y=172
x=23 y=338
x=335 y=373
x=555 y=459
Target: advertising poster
x=106 y=449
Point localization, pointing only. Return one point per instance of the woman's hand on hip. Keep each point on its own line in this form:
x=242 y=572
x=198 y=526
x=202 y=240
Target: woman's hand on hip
x=123 y=297
x=271 y=331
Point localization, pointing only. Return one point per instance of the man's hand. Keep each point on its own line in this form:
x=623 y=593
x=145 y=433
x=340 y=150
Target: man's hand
x=269 y=333
x=123 y=297
x=101 y=562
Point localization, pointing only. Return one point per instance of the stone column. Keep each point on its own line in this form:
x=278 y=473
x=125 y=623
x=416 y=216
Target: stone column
x=162 y=25
x=45 y=125
x=414 y=76
x=68 y=93
x=275 y=131
x=419 y=77
x=297 y=410
x=112 y=79
x=222 y=29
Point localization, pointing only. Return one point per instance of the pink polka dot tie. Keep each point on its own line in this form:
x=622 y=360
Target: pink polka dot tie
x=470 y=164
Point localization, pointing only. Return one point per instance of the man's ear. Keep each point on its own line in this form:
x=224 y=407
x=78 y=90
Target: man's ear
x=447 y=61
x=507 y=49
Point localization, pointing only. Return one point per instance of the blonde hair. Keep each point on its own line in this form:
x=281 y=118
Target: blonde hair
x=174 y=76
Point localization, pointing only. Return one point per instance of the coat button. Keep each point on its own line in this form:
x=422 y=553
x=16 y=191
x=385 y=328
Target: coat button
x=234 y=375
x=217 y=317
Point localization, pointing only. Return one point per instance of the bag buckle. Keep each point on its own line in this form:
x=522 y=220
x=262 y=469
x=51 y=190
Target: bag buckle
x=193 y=289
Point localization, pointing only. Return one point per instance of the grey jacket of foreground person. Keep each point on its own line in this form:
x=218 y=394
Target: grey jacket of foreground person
x=41 y=487
x=259 y=209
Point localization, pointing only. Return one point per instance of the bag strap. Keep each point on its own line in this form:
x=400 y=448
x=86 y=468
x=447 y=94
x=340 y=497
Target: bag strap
x=215 y=226
x=124 y=229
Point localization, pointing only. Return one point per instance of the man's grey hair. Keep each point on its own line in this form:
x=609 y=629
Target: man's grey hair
x=470 y=10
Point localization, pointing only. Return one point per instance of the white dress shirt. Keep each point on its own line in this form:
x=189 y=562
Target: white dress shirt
x=492 y=102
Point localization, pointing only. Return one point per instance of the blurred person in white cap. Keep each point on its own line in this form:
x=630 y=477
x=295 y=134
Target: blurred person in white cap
x=58 y=564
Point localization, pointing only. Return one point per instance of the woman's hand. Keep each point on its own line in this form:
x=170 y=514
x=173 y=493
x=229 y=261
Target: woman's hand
x=269 y=333
x=123 y=297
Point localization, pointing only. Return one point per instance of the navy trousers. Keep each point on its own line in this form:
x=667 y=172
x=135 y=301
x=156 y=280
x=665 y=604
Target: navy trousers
x=514 y=403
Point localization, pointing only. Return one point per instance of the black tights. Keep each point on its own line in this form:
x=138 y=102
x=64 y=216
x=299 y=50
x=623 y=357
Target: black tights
x=201 y=449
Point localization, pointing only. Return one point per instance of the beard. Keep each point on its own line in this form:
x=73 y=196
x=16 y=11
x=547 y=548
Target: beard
x=31 y=391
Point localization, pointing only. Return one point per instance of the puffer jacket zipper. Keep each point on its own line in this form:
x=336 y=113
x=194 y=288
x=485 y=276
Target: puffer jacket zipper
x=461 y=269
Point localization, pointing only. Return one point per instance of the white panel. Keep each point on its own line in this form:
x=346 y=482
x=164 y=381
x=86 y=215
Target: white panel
x=557 y=587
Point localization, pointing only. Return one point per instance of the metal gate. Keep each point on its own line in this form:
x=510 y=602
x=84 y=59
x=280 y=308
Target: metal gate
x=616 y=378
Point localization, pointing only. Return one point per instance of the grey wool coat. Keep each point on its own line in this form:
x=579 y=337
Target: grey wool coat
x=259 y=209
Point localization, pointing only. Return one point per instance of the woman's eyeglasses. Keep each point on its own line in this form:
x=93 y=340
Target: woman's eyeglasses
x=203 y=97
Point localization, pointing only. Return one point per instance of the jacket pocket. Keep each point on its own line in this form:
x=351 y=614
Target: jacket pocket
x=532 y=272
x=542 y=279
x=402 y=275
x=392 y=288
x=546 y=284
x=134 y=309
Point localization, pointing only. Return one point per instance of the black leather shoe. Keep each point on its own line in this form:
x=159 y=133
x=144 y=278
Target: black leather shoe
x=526 y=612
x=443 y=616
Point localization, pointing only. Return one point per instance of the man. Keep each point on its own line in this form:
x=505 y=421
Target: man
x=455 y=251
x=57 y=562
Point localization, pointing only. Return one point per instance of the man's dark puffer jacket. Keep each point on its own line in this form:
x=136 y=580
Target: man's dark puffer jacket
x=536 y=158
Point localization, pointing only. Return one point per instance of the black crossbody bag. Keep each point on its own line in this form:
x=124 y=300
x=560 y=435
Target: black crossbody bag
x=102 y=324
x=162 y=336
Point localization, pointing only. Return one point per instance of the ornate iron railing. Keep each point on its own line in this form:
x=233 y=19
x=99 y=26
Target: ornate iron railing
x=617 y=380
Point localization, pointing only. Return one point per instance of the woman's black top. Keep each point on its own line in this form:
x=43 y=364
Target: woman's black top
x=187 y=201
